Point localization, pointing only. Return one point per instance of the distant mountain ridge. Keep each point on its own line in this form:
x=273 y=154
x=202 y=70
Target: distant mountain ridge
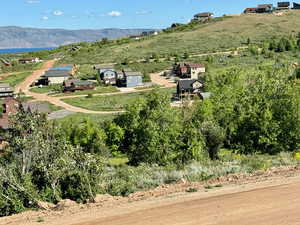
x=20 y=37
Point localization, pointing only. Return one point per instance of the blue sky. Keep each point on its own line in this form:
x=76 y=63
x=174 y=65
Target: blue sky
x=97 y=14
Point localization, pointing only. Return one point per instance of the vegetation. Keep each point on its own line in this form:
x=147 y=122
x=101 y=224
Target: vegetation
x=15 y=79
x=108 y=103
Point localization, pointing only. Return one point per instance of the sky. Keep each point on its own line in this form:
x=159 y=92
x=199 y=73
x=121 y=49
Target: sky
x=99 y=14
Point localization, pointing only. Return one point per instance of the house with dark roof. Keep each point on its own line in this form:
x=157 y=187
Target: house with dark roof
x=29 y=60
x=78 y=85
x=6 y=90
x=296 y=5
x=203 y=16
x=250 y=10
x=283 y=5
x=189 y=88
x=188 y=70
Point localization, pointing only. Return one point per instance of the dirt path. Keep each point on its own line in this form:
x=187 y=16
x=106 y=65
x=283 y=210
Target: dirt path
x=157 y=78
x=277 y=205
x=262 y=198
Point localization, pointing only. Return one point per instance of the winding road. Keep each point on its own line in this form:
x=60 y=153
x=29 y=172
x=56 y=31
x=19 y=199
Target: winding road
x=25 y=86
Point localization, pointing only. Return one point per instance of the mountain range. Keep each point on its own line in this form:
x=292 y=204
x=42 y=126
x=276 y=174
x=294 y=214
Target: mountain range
x=20 y=37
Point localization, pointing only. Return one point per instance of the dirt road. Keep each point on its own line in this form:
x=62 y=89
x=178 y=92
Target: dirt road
x=278 y=205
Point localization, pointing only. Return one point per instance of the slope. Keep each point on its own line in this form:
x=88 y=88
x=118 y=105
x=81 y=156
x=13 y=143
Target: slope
x=222 y=33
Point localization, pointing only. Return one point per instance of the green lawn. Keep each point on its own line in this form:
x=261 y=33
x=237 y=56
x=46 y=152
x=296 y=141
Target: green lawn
x=15 y=79
x=97 y=90
x=46 y=89
x=110 y=103
x=80 y=117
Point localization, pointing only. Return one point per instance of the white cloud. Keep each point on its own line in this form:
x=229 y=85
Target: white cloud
x=143 y=12
x=114 y=13
x=45 y=18
x=32 y=1
x=58 y=13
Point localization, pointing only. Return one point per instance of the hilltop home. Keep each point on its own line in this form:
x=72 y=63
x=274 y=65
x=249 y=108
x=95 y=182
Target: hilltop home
x=56 y=77
x=265 y=8
x=283 y=5
x=203 y=16
x=188 y=70
x=77 y=85
x=296 y=5
x=107 y=74
x=189 y=87
x=250 y=10
x=6 y=90
x=29 y=60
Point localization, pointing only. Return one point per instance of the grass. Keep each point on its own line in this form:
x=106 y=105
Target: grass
x=109 y=103
x=227 y=33
x=80 y=117
x=15 y=79
x=97 y=90
x=46 y=89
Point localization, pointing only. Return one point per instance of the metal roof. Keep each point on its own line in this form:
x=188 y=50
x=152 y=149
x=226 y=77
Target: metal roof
x=62 y=68
x=57 y=73
x=128 y=74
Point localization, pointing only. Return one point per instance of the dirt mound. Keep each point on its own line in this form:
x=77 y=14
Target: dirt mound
x=63 y=204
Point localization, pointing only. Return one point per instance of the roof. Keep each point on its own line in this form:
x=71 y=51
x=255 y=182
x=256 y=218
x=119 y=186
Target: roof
x=131 y=74
x=36 y=107
x=101 y=67
x=4 y=87
x=78 y=82
x=62 y=68
x=204 y=14
x=263 y=6
x=186 y=84
x=283 y=4
x=57 y=73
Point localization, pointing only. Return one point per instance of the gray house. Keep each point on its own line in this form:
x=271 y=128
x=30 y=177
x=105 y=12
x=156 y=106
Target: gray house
x=133 y=79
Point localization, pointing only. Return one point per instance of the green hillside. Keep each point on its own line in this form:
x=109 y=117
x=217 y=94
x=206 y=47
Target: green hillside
x=220 y=34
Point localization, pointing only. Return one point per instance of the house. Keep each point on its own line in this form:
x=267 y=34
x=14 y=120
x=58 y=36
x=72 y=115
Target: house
x=77 y=85
x=107 y=74
x=133 y=79
x=56 y=77
x=203 y=16
x=250 y=10
x=265 y=8
x=189 y=87
x=296 y=5
x=6 y=90
x=36 y=107
x=188 y=70
x=283 y=5
x=10 y=106
x=29 y=60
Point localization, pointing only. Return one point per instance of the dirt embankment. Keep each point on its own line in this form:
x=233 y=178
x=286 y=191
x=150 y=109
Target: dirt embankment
x=265 y=197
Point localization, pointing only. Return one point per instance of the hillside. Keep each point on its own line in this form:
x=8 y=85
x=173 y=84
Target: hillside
x=223 y=33
x=19 y=37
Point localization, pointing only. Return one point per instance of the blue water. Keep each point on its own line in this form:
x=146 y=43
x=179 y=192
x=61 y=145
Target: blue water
x=23 y=50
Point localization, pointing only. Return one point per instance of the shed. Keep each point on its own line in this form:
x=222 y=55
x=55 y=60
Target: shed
x=133 y=79
x=205 y=95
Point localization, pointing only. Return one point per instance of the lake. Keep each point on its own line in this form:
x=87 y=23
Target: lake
x=22 y=50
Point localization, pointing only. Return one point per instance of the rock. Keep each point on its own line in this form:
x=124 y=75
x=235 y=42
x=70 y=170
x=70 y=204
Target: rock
x=103 y=198
x=67 y=203
x=181 y=181
x=45 y=205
